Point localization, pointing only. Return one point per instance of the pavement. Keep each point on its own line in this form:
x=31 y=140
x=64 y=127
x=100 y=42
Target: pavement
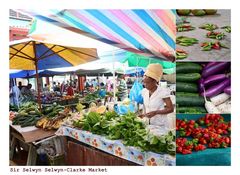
x=222 y=18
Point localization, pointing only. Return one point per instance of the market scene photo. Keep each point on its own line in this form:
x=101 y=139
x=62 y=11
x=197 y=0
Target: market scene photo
x=92 y=87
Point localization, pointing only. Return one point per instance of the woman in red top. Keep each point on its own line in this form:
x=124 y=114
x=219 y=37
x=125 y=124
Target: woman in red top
x=70 y=90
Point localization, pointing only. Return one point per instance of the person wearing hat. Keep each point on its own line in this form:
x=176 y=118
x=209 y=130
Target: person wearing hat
x=156 y=100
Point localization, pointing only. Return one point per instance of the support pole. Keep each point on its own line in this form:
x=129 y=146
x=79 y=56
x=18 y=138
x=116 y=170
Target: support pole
x=37 y=77
x=114 y=79
x=38 y=88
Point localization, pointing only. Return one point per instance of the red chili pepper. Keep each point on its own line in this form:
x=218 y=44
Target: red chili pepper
x=216 y=46
x=185 y=151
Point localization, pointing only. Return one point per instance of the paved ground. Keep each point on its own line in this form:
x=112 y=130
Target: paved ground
x=222 y=18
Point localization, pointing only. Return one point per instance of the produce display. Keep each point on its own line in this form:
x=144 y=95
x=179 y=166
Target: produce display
x=203 y=87
x=13 y=108
x=184 y=27
x=209 y=131
x=186 y=41
x=181 y=54
x=128 y=128
x=52 y=111
x=215 y=35
x=68 y=100
x=47 y=123
x=209 y=27
x=196 y=12
x=191 y=30
x=28 y=115
x=91 y=97
x=51 y=117
x=207 y=46
x=49 y=98
x=227 y=29
x=215 y=85
x=187 y=98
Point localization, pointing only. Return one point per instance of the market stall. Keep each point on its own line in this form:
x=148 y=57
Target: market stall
x=30 y=54
x=27 y=139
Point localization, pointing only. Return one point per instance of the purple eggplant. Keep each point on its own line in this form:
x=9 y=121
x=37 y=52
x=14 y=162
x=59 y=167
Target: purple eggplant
x=216 y=68
x=227 y=90
x=201 y=85
x=210 y=65
x=217 y=89
x=214 y=79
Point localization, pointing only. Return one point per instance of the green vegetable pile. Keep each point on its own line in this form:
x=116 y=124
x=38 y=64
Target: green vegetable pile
x=186 y=41
x=28 y=115
x=187 y=98
x=227 y=29
x=209 y=27
x=13 y=107
x=92 y=97
x=52 y=111
x=128 y=128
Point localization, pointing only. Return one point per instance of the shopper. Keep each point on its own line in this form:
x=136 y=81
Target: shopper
x=46 y=88
x=20 y=85
x=70 y=90
x=156 y=100
x=122 y=88
x=63 y=87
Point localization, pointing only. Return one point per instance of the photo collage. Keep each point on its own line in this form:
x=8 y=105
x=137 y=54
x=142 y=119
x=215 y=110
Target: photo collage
x=136 y=87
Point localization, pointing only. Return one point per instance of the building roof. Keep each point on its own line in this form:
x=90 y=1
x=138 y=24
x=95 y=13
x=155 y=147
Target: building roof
x=13 y=14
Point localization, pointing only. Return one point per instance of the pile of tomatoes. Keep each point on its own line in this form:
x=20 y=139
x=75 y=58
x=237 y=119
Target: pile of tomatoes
x=210 y=131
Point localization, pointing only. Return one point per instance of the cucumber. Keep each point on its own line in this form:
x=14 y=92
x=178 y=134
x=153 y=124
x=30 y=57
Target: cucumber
x=191 y=110
x=182 y=100
x=190 y=77
x=186 y=87
x=188 y=68
x=188 y=94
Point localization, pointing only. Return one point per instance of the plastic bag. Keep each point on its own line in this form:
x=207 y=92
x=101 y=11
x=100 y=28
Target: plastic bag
x=124 y=109
x=135 y=92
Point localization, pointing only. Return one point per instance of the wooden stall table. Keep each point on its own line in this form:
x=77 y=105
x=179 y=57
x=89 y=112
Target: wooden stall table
x=29 y=137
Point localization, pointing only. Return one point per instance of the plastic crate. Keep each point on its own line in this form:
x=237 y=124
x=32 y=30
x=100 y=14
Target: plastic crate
x=56 y=160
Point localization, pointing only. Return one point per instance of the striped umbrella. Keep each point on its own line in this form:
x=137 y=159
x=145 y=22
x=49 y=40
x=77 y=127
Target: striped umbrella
x=148 y=32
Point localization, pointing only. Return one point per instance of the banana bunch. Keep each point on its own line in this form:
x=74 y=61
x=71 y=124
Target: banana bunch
x=49 y=124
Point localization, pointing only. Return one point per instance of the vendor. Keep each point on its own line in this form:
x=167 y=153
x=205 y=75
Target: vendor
x=26 y=91
x=156 y=100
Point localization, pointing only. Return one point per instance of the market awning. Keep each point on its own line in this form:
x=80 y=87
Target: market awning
x=32 y=73
x=147 y=32
x=23 y=55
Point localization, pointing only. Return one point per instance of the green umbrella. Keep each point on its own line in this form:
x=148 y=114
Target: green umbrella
x=135 y=60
